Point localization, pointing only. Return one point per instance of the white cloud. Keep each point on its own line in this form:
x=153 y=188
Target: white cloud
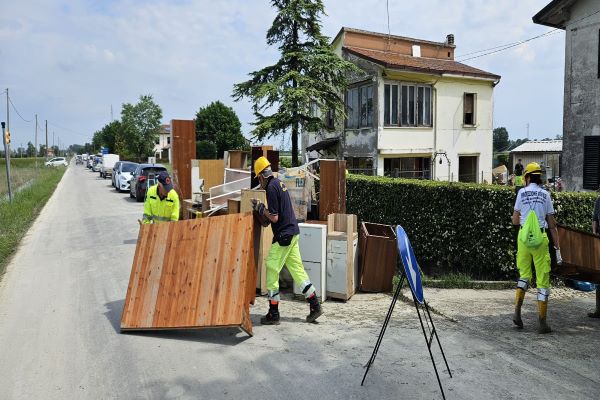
x=69 y=61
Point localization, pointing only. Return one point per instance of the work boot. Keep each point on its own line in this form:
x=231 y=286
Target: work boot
x=272 y=317
x=518 y=304
x=315 y=308
x=542 y=324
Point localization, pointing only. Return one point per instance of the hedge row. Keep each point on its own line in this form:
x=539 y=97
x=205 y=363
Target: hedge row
x=456 y=227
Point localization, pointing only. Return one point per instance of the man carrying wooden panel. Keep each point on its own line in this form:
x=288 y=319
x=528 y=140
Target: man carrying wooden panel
x=285 y=249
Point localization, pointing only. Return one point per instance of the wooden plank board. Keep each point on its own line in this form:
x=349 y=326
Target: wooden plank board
x=581 y=255
x=192 y=274
x=263 y=237
x=377 y=257
x=183 y=151
x=332 y=192
x=212 y=171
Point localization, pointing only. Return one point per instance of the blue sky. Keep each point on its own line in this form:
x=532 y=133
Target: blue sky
x=69 y=61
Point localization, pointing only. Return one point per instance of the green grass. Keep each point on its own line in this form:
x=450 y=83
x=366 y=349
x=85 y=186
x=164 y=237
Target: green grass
x=17 y=216
x=460 y=281
x=22 y=170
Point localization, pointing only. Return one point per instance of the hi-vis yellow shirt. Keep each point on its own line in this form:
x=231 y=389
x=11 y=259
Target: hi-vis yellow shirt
x=157 y=210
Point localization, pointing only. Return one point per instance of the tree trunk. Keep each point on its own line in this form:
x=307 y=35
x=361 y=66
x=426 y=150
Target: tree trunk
x=295 y=144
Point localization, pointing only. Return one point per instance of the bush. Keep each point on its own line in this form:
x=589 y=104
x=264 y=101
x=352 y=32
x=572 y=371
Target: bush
x=458 y=227
x=206 y=150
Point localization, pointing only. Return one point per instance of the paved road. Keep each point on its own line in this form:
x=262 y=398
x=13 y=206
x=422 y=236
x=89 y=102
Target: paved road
x=62 y=297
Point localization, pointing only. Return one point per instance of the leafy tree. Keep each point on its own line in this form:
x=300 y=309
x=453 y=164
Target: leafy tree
x=206 y=150
x=141 y=125
x=30 y=150
x=308 y=71
x=220 y=124
x=500 y=139
x=42 y=152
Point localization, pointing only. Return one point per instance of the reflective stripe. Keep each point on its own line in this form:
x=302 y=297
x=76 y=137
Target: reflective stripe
x=543 y=294
x=522 y=284
x=274 y=295
x=307 y=289
x=158 y=218
x=148 y=217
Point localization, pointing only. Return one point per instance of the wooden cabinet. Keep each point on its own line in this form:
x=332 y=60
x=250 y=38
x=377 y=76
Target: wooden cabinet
x=342 y=256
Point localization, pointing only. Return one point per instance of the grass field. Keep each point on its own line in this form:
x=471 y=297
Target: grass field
x=22 y=170
x=17 y=216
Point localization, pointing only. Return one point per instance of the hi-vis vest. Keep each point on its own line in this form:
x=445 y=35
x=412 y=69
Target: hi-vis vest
x=157 y=210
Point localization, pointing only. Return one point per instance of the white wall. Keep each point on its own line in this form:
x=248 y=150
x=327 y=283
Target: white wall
x=448 y=133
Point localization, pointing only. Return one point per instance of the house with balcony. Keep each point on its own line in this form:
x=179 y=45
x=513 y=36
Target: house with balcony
x=413 y=112
x=162 y=146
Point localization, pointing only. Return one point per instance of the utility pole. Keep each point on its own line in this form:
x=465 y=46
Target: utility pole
x=528 y=131
x=111 y=114
x=7 y=157
x=36 y=148
x=46 y=140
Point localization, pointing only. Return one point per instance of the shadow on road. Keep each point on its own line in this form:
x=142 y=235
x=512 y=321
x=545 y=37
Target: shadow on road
x=223 y=336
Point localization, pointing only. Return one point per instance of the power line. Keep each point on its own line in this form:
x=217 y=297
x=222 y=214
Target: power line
x=510 y=46
x=17 y=111
x=67 y=129
x=498 y=49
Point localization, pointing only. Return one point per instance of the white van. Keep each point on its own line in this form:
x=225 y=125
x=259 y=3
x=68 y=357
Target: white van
x=108 y=162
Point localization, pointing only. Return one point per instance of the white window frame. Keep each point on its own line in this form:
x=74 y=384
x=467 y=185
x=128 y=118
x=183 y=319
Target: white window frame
x=418 y=111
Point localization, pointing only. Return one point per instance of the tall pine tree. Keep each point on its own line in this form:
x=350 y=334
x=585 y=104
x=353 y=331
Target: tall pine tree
x=308 y=73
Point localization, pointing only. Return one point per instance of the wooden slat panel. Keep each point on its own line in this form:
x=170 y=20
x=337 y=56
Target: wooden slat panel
x=332 y=193
x=192 y=274
x=183 y=151
x=262 y=239
x=212 y=171
x=581 y=255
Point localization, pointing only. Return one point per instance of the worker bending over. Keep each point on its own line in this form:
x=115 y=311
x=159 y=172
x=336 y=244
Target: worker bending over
x=162 y=201
x=533 y=246
x=285 y=249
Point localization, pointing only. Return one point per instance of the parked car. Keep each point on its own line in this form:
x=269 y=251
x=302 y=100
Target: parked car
x=115 y=168
x=56 y=161
x=122 y=174
x=108 y=163
x=143 y=177
x=97 y=164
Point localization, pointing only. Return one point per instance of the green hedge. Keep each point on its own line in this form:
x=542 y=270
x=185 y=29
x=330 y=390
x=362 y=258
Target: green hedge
x=458 y=227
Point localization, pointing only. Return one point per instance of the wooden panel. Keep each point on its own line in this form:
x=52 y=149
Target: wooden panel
x=581 y=255
x=183 y=151
x=192 y=274
x=263 y=237
x=273 y=157
x=212 y=171
x=237 y=159
x=377 y=257
x=233 y=205
x=332 y=196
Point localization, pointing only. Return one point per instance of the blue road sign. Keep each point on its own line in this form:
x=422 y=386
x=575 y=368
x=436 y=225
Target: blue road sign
x=411 y=267
x=104 y=150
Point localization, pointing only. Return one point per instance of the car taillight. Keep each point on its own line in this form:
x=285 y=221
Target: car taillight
x=141 y=178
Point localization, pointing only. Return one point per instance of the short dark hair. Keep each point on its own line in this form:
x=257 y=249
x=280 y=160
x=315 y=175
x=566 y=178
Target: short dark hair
x=535 y=178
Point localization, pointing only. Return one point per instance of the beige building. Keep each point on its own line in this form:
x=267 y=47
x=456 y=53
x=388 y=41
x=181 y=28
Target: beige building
x=415 y=112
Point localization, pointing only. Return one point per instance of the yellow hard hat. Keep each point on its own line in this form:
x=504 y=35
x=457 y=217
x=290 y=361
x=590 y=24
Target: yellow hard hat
x=532 y=168
x=260 y=164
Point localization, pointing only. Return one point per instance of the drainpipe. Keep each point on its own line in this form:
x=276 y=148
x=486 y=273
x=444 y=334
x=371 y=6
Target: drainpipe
x=435 y=109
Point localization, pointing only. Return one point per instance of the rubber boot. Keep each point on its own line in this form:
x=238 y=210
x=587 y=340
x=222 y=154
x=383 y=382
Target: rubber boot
x=518 y=304
x=272 y=317
x=315 y=308
x=596 y=314
x=542 y=324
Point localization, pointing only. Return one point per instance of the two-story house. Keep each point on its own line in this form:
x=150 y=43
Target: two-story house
x=162 y=146
x=415 y=112
x=581 y=119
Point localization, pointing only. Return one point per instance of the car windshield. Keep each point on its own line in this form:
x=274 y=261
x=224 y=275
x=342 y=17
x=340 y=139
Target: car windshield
x=127 y=167
x=153 y=170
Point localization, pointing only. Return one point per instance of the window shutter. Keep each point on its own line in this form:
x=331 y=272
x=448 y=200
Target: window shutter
x=591 y=162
